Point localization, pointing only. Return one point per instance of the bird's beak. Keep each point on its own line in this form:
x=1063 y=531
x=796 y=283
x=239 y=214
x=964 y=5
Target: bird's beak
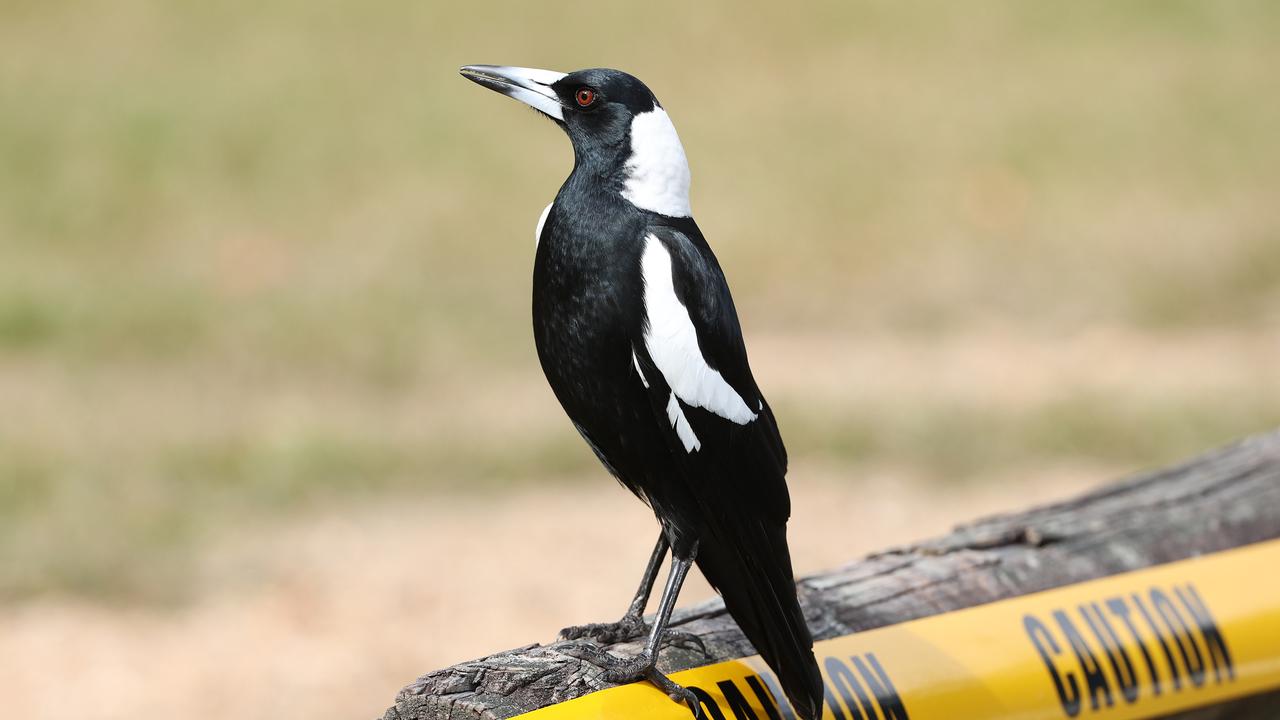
x=528 y=85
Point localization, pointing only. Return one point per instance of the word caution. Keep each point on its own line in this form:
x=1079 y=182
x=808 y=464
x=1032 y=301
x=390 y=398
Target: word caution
x=1125 y=647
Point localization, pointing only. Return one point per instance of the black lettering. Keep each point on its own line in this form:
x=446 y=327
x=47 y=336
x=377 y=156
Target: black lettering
x=1120 y=610
x=886 y=695
x=738 y=704
x=1155 y=630
x=846 y=684
x=1045 y=644
x=767 y=699
x=1213 y=640
x=1166 y=609
x=1121 y=665
x=1094 y=678
x=708 y=703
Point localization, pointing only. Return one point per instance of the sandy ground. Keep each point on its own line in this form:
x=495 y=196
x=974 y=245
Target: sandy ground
x=328 y=617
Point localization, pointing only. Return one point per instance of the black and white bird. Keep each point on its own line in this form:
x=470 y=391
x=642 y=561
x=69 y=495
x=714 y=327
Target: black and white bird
x=640 y=341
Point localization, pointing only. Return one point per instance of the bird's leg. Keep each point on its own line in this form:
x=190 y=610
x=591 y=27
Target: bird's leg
x=644 y=665
x=632 y=623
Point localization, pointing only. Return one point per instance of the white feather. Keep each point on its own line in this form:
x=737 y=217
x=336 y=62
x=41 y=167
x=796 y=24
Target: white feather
x=542 y=220
x=672 y=342
x=657 y=171
x=683 y=430
x=636 y=361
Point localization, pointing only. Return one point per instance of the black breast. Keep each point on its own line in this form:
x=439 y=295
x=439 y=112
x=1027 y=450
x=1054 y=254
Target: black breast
x=588 y=307
x=587 y=301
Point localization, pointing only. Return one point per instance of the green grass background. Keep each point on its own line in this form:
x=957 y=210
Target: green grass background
x=259 y=257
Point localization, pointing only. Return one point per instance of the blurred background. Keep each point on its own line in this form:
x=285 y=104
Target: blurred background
x=273 y=437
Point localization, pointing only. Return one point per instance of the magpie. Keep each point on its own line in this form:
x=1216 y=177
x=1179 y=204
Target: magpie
x=638 y=337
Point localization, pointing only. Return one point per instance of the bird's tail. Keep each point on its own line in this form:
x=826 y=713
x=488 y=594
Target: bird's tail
x=749 y=563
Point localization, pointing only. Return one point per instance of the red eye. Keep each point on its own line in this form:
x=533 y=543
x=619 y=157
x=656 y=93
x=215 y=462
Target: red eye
x=585 y=96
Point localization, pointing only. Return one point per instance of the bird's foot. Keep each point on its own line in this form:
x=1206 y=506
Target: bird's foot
x=614 y=669
x=629 y=627
x=676 y=692
x=643 y=666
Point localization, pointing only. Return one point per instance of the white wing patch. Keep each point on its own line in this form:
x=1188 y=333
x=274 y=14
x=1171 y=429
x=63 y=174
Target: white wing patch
x=683 y=430
x=672 y=342
x=542 y=220
x=657 y=171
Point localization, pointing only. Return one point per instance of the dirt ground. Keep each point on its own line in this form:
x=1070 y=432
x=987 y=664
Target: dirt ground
x=328 y=617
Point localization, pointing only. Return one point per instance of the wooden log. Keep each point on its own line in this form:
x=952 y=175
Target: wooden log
x=1224 y=499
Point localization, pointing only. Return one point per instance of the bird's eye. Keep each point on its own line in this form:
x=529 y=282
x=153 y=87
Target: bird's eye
x=585 y=97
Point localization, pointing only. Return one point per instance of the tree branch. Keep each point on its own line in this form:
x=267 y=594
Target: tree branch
x=1223 y=499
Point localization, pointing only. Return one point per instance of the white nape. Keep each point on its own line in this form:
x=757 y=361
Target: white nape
x=542 y=220
x=683 y=430
x=672 y=342
x=657 y=171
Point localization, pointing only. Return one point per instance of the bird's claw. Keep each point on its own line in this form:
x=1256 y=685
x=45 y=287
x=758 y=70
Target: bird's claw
x=676 y=692
x=687 y=697
x=613 y=669
x=619 y=670
x=684 y=641
x=586 y=651
x=629 y=627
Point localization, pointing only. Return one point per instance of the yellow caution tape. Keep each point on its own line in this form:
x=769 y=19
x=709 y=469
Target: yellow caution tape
x=1137 y=645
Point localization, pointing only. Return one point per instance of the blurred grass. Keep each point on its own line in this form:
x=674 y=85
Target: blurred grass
x=256 y=257
x=962 y=442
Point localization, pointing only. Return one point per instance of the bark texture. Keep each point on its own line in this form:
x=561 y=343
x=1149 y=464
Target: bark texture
x=1223 y=499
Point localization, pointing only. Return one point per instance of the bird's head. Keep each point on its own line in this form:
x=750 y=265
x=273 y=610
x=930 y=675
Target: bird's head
x=617 y=127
